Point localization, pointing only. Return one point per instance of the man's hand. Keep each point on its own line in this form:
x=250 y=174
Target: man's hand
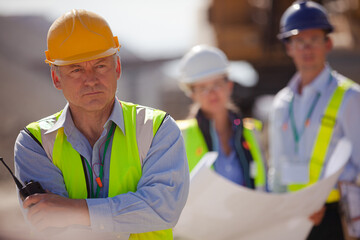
x=317 y=217
x=51 y=210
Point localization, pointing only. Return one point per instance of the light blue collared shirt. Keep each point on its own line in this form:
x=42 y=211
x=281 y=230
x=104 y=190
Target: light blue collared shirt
x=161 y=192
x=227 y=166
x=281 y=140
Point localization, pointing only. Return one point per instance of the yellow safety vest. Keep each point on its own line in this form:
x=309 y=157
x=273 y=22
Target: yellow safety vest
x=125 y=174
x=196 y=147
x=323 y=139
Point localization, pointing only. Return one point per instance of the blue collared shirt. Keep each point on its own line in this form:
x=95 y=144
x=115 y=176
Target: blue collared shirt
x=282 y=144
x=161 y=192
x=229 y=165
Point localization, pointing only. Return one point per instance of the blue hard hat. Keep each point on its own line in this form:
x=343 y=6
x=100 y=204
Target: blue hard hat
x=302 y=15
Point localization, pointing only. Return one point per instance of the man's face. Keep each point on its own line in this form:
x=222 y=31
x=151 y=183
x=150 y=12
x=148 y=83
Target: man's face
x=89 y=86
x=308 y=49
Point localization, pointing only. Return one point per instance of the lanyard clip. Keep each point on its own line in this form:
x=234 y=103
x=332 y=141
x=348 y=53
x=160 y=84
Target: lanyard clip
x=98 y=180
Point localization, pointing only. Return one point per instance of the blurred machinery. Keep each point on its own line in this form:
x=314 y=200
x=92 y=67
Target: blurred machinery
x=247 y=29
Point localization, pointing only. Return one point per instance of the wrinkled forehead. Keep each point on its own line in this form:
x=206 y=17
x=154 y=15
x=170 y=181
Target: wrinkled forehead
x=109 y=59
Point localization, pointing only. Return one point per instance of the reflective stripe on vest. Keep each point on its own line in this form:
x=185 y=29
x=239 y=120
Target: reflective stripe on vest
x=130 y=148
x=196 y=148
x=256 y=154
x=323 y=139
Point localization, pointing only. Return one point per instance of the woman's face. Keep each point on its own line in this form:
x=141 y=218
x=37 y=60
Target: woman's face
x=212 y=95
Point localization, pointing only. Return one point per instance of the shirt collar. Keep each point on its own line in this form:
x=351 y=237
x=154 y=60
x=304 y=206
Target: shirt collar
x=65 y=120
x=117 y=116
x=319 y=84
x=61 y=122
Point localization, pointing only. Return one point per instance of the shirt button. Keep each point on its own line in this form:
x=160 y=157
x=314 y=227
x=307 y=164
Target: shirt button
x=102 y=227
x=118 y=236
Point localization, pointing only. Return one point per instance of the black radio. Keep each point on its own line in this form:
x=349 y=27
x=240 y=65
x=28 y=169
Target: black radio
x=31 y=187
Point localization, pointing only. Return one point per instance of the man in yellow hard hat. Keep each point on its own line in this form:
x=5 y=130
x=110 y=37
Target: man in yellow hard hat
x=110 y=166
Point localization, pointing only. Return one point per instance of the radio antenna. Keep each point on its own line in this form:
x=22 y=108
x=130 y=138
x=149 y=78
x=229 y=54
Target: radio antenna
x=18 y=183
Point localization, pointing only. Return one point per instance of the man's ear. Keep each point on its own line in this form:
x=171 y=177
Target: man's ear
x=288 y=48
x=329 y=44
x=55 y=79
x=118 y=67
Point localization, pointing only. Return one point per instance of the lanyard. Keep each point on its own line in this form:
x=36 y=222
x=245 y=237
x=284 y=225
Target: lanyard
x=296 y=133
x=101 y=174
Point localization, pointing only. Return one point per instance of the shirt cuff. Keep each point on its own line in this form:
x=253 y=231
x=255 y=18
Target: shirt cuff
x=100 y=215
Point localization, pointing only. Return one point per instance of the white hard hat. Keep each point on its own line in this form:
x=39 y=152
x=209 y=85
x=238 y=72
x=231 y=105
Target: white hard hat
x=202 y=62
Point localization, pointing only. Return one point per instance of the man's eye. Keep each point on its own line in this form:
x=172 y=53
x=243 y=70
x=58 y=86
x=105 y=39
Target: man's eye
x=76 y=70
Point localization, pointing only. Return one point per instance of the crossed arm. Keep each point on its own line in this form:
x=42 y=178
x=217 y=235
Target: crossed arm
x=52 y=210
x=161 y=192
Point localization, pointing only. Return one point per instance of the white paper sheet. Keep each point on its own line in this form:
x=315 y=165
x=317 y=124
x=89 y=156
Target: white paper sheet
x=218 y=209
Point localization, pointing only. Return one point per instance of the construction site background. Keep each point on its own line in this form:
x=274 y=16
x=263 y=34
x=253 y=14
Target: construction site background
x=244 y=30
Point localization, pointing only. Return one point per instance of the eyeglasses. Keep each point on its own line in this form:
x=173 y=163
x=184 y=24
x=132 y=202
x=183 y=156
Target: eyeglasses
x=315 y=42
x=206 y=89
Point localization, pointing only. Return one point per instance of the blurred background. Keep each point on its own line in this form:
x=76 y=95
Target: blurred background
x=154 y=36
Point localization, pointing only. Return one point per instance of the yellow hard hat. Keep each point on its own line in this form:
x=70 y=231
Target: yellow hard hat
x=79 y=36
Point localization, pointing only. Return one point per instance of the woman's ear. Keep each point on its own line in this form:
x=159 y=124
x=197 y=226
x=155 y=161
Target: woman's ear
x=230 y=85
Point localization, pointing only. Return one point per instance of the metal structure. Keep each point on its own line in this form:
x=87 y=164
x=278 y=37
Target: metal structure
x=247 y=30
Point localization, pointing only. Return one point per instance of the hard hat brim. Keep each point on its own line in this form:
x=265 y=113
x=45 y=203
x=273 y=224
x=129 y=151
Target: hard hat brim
x=205 y=77
x=83 y=58
x=285 y=35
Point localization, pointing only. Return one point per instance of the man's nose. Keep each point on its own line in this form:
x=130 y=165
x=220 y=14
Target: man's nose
x=90 y=77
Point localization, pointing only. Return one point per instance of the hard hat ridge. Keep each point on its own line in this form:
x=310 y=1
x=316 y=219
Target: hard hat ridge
x=79 y=36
